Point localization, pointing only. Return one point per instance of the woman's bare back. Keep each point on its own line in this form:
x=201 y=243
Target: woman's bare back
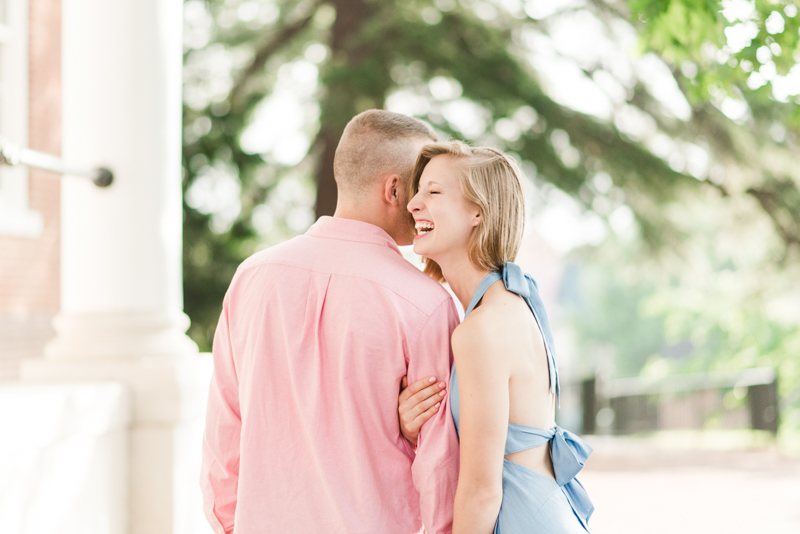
x=521 y=351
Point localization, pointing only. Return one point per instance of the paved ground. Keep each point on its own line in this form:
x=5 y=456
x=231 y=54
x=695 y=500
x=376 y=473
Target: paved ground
x=642 y=489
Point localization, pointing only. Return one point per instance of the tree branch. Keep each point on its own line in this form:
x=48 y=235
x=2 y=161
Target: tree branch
x=265 y=51
x=771 y=204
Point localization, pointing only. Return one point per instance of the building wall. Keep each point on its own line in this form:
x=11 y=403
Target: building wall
x=29 y=268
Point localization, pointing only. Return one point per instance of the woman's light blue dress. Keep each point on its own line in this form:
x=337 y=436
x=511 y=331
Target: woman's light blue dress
x=532 y=502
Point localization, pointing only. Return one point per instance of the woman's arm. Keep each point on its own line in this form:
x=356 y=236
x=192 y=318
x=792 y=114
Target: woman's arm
x=483 y=387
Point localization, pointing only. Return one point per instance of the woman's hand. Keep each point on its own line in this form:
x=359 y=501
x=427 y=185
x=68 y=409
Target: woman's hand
x=417 y=403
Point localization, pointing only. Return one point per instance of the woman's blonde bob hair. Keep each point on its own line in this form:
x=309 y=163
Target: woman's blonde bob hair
x=492 y=182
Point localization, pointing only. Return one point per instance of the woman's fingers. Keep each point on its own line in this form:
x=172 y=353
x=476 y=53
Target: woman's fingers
x=425 y=404
x=421 y=401
x=418 y=402
x=415 y=423
x=427 y=414
x=416 y=387
x=431 y=391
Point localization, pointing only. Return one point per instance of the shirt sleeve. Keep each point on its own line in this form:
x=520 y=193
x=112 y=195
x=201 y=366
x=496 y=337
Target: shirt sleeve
x=219 y=478
x=435 y=468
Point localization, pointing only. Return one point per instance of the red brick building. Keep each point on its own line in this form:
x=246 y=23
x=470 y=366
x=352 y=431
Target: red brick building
x=30 y=114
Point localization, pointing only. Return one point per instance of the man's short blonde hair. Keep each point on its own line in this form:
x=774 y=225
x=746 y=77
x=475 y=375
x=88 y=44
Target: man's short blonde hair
x=375 y=144
x=492 y=182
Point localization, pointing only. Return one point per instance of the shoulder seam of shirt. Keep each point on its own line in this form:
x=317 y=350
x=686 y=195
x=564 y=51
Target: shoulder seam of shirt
x=276 y=261
x=424 y=322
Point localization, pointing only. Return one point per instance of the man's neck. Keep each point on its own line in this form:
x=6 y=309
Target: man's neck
x=358 y=214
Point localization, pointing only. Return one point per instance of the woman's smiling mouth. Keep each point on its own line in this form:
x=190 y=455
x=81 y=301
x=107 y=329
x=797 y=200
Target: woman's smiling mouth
x=423 y=228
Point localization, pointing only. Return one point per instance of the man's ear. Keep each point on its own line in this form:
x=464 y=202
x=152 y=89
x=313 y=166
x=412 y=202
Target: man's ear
x=391 y=190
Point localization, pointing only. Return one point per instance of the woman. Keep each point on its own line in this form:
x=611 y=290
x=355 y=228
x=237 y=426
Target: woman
x=517 y=467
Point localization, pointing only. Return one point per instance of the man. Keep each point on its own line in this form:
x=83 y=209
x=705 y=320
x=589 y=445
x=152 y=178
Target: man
x=302 y=433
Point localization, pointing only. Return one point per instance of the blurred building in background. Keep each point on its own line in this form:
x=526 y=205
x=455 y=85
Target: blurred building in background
x=102 y=392
x=30 y=113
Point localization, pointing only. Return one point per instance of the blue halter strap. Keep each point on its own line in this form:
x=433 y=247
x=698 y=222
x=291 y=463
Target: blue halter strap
x=523 y=285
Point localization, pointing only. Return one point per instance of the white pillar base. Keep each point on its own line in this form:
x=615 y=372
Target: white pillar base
x=64 y=458
x=168 y=395
x=119 y=335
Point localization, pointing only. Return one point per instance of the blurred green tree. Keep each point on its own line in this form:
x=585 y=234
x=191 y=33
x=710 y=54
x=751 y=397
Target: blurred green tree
x=700 y=111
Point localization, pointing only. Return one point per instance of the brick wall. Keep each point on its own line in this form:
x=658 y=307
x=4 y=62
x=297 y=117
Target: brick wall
x=29 y=268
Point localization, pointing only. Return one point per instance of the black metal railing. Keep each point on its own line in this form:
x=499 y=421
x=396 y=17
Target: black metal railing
x=13 y=154
x=734 y=399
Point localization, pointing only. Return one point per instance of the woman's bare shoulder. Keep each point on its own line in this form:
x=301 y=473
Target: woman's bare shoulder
x=478 y=323
x=500 y=309
x=485 y=330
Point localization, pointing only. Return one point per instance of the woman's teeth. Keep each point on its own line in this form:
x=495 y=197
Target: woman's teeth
x=423 y=227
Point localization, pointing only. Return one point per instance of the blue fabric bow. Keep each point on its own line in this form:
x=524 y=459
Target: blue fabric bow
x=569 y=454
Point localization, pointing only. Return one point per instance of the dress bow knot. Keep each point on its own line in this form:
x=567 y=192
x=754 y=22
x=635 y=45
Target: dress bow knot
x=516 y=280
x=569 y=454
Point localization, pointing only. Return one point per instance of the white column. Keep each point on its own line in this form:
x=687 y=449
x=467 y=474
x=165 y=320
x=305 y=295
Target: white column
x=121 y=316
x=121 y=246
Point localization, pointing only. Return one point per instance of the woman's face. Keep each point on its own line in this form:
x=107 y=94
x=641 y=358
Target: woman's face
x=444 y=219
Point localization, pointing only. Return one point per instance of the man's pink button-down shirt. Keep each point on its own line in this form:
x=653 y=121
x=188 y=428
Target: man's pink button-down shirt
x=302 y=433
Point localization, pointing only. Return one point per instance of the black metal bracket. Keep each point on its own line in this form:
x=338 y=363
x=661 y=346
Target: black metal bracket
x=12 y=154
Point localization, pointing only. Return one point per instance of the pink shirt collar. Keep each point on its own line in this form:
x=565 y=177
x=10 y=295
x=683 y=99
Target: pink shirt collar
x=351 y=230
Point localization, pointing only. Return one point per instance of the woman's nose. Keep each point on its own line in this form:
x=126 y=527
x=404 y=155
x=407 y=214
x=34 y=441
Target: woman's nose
x=414 y=204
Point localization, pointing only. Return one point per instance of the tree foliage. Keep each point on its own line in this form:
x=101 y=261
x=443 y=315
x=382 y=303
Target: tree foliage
x=681 y=114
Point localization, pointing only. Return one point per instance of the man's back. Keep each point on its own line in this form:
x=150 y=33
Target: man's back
x=302 y=430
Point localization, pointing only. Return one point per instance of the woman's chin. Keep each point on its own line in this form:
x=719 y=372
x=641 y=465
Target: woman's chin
x=419 y=248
